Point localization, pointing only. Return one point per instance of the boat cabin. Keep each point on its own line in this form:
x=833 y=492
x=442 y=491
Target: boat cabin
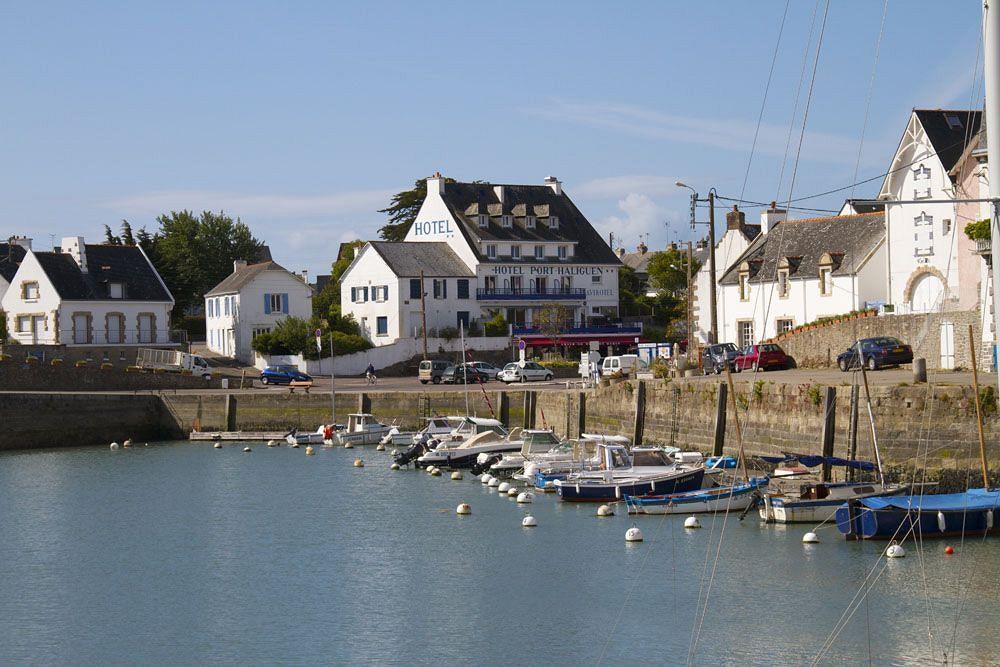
x=468 y=426
x=821 y=490
x=538 y=441
x=361 y=421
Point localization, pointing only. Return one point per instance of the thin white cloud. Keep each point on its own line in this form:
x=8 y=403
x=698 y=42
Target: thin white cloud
x=254 y=206
x=618 y=186
x=726 y=134
x=640 y=215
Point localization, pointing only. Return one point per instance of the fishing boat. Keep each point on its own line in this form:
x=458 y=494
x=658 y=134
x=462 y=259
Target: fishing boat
x=725 y=498
x=470 y=438
x=362 y=429
x=642 y=471
x=920 y=516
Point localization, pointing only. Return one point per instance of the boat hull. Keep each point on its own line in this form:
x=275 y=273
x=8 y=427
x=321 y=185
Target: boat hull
x=371 y=437
x=459 y=458
x=780 y=509
x=858 y=521
x=599 y=491
x=721 y=499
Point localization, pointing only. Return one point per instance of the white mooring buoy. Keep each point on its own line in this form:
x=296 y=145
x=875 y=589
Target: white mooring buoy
x=294 y=445
x=692 y=522
x=810 y=538
x=436 y=472
x=503 y=487
x=272 y=443
x=394 y=466
x=512 y=492
x=633 y=534
x=464 y=508
x=310 y=451
x=605 y=510
x=456 y=475
x=114 y=445
x=247 y=450
x=348 y=445
x=358 y=463
x=493 y=483
x=529 y=522
x=895 y=551
x=549 y=486
x=127 y=443
x=217 y=445
x=525 y=497
x=485 y=478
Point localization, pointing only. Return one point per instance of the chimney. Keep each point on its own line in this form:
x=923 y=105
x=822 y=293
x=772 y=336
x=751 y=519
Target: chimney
x=641 y=248
x=357 y=249
x=499 y=191
x=736 y=218
x=620 y=252
x=435 y=183
x=305 y=276
x=772 y=216
x=554 y=183
x=77 y=249
x=22 y=241
x=239 y=264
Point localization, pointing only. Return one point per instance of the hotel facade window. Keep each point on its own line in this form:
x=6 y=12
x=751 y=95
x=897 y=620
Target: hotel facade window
x=539 y=251
x=507 y=221
x=491 y=250
x=529 y=222
x=553 y=222
x=515 y=252
x=562 y=252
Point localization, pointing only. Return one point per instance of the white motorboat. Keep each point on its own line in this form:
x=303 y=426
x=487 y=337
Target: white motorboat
x=362 y=429
x=434 y=427
x=534 y=443
x=814 y=501
x=472 y=437
x=642 y=471
x=315 y=438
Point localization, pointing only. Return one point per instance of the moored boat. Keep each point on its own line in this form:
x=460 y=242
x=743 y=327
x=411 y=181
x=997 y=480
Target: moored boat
x=362 y=429
x=726 y=498
x=644 y=470
x=470 y=438
x=920 y=516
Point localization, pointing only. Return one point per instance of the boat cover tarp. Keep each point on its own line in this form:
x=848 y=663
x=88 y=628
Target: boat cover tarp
x=811 y=461
x=972 y=500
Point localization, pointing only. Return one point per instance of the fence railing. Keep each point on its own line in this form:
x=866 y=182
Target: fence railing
x=528 y=294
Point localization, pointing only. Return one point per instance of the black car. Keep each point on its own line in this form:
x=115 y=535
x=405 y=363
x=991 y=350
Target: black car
x=715 y=357
x=462 y=374
x=878 y=353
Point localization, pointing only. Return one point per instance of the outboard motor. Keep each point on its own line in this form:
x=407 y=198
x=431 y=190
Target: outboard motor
x=479 y=468
x=412 y=453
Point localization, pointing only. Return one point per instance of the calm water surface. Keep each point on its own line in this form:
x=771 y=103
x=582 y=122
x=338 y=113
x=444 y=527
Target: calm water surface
x=181 y=554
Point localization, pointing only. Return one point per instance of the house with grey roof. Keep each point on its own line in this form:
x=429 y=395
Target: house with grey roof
x=81 y=294
x=11 y=254
x=250 y=301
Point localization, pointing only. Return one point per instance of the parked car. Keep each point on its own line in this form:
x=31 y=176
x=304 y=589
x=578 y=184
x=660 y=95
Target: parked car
x=762 y=357
x=515 y=372
x=625 y=363
x=283 y=374
x=488 y=368
x=878 y=353
x=462 y=374
x=715 y=357
x=431 y=371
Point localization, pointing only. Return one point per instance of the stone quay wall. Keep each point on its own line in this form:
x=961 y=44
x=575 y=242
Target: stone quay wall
x=19 y=376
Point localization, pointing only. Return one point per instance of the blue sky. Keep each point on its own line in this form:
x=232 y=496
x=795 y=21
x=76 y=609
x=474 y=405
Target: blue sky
x=302 y=118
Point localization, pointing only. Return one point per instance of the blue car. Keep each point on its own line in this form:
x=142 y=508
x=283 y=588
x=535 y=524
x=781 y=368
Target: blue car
x=878 y=353
x=283 y=374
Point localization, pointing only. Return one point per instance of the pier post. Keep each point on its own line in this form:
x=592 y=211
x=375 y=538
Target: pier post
x=230 y=412
x=852 y=430
x=534 y=408
x=503 y=401
x=582 y=416
x=719 y=440
x=829 y=426
x=640 y=413
x=526 y=417
x=569 y=415
x=364 y=402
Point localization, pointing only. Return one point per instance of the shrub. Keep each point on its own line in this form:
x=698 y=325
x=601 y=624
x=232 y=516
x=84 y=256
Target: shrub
x=474 y=329
x=448 y=333
x=978 y=230
x=758 y=390
x=987 y=400
x=497 y=326
x=294 y=335
x=660 y=368
x=815 y=394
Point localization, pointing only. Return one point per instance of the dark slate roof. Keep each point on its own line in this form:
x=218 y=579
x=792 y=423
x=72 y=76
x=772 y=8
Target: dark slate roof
x=11 y=255
x=237 y=279
x=322 y=280
x=408 y=258
x=637 y=261
x=847 y=238
x=862 y=206
x=105 y=264
x=469 y=199
x=948 y=140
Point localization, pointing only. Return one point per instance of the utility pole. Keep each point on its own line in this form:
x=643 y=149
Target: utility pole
x=991 y=74
x=689 y=313
x=423 y=313
x=713 y=297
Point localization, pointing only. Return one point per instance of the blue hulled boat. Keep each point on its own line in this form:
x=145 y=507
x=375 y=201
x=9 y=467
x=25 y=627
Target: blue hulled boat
x=643 y=471
x=727 y=498
x=927 y=516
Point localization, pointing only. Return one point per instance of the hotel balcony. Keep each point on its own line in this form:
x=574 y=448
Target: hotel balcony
x=582 y=333
x=522 y=294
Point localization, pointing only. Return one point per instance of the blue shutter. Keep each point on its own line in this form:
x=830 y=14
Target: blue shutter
x=284 y=304
x=267 y=304
x=354 y=295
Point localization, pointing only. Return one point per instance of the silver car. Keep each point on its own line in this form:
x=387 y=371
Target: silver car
x=529 y=372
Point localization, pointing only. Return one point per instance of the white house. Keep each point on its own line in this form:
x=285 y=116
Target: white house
x=797 y=271
x=931 y=265
x=525 y=248
x=734 y=242
x=383 y=292
x=250 y=301
x=87 y=295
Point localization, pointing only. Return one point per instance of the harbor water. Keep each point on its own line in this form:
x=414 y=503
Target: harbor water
x=178 y=553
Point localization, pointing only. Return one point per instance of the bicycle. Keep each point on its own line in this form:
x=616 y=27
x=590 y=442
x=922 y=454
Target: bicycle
x=372 y=379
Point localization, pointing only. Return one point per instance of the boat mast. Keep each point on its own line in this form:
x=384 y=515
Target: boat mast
x=991 y=119
x=463 y=367
x=333 y=392
x=871 y=416
x=741 y=459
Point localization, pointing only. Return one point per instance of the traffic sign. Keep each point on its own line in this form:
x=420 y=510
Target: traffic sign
x=521 y=344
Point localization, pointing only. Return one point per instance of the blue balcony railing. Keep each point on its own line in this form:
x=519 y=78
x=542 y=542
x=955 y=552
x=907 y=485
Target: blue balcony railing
x=521 y=294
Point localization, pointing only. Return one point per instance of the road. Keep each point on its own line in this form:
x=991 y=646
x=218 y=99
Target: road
x=834 y=376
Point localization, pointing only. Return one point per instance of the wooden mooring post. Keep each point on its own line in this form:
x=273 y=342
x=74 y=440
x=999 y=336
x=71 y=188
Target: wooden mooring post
x=852 y=430
x=582 y=416
x=503 y=401
x=364 y=402
x=640 y=413
x=829 y=426
x=231 y=412
x=719 y=440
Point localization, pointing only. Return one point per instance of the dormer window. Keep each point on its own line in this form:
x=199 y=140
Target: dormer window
x=562 y=252
x=29 y=291
x=539 y=252
x=529 y=222
x=515 y=252
x=921 y=173
x=491 y=250
x=507 y=221
x=483 y=220
x=783 y=272
x=744 y=278
x=116 y=290
x=954 y=122
x=553 y=222
x=826 y=275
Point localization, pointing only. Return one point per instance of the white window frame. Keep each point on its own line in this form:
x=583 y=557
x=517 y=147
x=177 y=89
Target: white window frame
x=744 y=286
x=26 y=291
x=112 y=289
x=553 y=222
x=784 y=325
x=744 y=332
x=484 y=221
x=491 y=250
x=529 y=222
x=275 y=300
x=539 y=252
x=506 y=221
x=825 y=280
x=562 y=252
x=515 y=251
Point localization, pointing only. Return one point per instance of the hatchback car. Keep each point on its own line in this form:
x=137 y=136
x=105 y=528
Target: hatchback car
x=877 y=352
x=488 y=368
x=283 y=374
x=762 y=357
x=462 y=374
x=715 y=357
x=431 y=371
x=530 y=371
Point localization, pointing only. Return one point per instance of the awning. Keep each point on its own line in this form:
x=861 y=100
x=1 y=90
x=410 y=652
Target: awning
x=582 y=340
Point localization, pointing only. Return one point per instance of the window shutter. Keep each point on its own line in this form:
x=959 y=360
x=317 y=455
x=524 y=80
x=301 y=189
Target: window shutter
x=267 y=304
x=284 y=304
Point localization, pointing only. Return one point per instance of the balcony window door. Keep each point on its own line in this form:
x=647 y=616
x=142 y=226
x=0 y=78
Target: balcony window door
x=146 y=329
x=81 y=329
x=515 y=284
x=115 y=328
x=490 y=283
x=541 y=285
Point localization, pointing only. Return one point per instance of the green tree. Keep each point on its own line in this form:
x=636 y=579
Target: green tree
x=403 y=210
x=668 y=270
x=193 y=253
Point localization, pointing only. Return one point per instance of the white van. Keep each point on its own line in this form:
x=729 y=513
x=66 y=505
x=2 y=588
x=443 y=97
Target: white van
x=627 y=364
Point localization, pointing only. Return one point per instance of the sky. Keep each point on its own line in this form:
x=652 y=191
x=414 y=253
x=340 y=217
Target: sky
x=303 y=118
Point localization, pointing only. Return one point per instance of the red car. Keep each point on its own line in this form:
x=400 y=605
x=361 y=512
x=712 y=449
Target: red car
x=762 y=357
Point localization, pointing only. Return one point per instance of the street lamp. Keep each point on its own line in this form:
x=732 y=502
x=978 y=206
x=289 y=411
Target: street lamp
x=713 y=335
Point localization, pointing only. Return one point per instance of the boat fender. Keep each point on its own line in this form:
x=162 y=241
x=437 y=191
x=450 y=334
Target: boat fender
x=653 y=486
x=578 y=487
x=618 y=492
x=942 y=524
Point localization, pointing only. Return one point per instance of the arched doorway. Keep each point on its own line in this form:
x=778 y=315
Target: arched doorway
x=926 y=293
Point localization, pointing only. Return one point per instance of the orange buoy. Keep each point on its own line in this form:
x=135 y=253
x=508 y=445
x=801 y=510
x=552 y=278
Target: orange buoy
x=948 y=550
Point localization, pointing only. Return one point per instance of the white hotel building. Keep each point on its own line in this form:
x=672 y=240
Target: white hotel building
x=485 y=249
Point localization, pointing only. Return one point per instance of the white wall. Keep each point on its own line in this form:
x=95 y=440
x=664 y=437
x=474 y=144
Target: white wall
x=386 y=355
x=727 y=250
x=231 y=334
